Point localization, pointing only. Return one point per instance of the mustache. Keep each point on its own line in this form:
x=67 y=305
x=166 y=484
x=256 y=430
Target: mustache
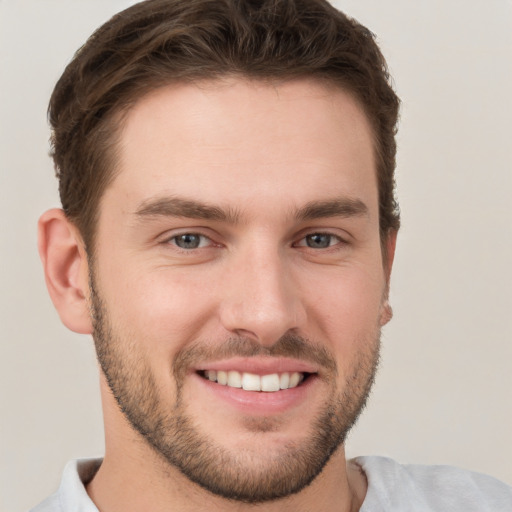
x=289 y=345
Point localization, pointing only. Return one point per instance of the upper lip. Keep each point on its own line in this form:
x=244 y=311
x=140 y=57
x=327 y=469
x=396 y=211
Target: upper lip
x=260 y=365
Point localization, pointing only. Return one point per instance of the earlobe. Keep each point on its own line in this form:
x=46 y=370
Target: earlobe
x=66 y=269
x=386 y=313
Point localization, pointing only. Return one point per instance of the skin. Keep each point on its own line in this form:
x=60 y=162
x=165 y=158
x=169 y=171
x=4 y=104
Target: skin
x=263 y=153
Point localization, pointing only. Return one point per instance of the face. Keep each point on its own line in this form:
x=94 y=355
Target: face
x=238 y=286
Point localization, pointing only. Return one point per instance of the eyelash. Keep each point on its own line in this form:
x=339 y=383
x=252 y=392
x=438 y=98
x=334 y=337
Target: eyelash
x=303 y=241
x=338 y=240
x=201 y=237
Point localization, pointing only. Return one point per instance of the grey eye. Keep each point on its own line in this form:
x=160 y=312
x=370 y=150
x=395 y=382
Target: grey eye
x=188 y=241
x=319 y=240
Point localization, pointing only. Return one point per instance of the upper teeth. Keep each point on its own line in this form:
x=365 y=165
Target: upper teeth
x=252 y=382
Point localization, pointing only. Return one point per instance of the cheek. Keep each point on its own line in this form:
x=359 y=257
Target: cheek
x=348 y=315
x=162 y=308
x=346 y=305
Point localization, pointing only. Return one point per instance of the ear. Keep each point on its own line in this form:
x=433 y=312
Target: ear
x=66 y=269
x=389 y=256
x=389 y=247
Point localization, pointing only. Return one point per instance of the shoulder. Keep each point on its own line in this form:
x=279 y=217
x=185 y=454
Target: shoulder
x=50 y=504
x=394 y=487
x=72 y=494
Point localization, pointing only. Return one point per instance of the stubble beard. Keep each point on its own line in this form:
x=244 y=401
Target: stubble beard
x=231 y=474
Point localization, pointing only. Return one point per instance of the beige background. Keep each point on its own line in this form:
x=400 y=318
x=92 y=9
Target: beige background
x=444 y=393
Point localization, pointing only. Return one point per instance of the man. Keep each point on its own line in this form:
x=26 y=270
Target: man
x=227 y=237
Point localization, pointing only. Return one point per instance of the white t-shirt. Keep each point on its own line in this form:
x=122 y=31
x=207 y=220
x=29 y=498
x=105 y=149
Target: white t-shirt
x=392 y=487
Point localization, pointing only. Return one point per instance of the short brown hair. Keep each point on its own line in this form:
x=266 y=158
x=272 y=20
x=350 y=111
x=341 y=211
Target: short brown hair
x=158 y=42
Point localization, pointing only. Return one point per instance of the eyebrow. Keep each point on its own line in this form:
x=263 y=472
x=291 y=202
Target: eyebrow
x=186 y=208
x=337 y=207
x=193 y=209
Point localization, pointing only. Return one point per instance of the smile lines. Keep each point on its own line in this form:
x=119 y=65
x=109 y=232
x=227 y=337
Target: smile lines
x=252 y=382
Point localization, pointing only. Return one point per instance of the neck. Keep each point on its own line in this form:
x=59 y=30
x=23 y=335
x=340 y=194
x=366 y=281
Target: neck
x=132 y=485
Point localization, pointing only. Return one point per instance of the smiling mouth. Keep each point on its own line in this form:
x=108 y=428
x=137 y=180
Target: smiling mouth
x=269 y=383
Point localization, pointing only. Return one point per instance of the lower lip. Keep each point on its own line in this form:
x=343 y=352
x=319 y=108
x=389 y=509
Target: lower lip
x=260 y=402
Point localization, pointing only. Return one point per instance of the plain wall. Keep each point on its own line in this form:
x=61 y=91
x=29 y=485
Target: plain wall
x=444 y=391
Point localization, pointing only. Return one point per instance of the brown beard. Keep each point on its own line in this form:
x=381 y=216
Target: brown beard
x=234 y=475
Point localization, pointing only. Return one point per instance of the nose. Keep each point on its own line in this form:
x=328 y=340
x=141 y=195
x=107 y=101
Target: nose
x=262 y=299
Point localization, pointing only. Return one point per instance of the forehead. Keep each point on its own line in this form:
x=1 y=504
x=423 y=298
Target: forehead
x=246 y=141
